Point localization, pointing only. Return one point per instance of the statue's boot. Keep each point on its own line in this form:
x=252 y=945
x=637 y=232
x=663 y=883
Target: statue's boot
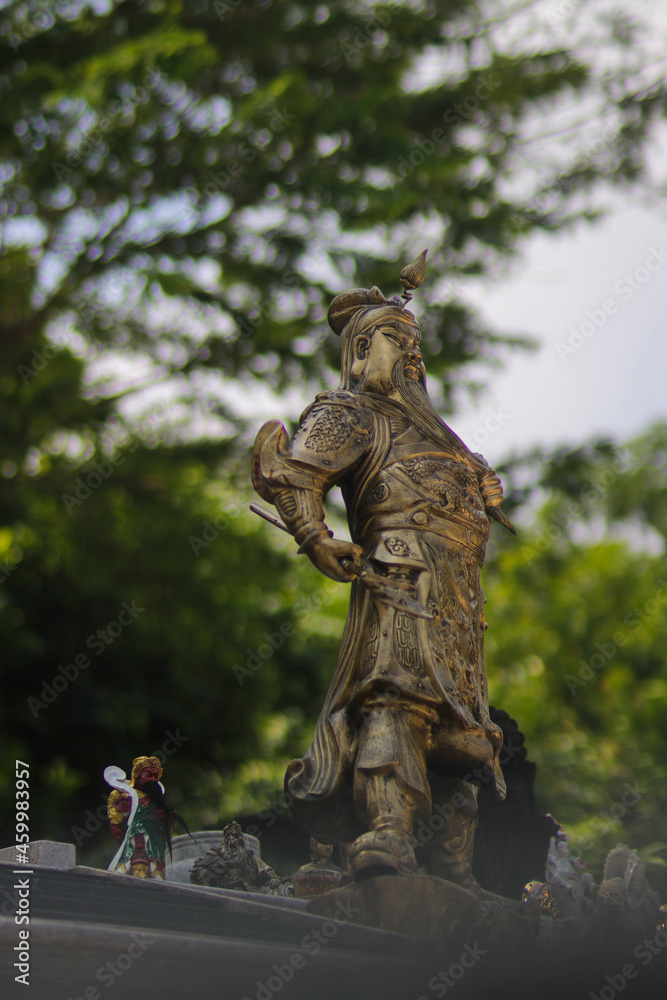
x=390 y=789
x=449 y=857
x=384 y=850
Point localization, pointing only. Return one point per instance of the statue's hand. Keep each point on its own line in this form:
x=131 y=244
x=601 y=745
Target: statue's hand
x=491 y=489
x=338 y=560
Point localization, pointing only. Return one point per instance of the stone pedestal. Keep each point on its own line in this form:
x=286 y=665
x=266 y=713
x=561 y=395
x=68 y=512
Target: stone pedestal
x=430 y=908
x=46 y=853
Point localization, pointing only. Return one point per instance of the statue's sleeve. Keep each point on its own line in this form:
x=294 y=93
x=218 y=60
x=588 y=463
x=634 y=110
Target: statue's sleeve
x=296 y=476
x=119 y=805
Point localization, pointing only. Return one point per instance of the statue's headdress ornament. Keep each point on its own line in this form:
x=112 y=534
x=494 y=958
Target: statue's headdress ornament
x=413 y=274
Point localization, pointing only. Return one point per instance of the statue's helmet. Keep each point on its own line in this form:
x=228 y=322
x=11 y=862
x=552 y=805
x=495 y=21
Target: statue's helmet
x=139 y=763
x=364 y=307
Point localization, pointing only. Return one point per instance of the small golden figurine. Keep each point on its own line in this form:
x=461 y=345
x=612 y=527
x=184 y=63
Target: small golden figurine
x=405 y=725
x=537 y=894
x=627 y=908
x=319 y=875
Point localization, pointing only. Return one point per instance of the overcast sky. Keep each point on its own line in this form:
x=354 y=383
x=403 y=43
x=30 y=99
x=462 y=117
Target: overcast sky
x=613 y=380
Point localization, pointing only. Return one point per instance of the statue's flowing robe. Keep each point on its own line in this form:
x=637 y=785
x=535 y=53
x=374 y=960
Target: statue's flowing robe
x=415 y=508
x=146 y=821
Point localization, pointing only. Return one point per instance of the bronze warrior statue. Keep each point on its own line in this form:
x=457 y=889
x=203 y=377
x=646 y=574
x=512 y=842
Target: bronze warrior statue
x=405 y=722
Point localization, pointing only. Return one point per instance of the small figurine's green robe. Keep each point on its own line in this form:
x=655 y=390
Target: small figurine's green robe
x=146 y=822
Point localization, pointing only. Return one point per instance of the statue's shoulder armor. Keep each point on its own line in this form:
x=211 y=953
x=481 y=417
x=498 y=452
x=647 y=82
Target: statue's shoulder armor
x=338 y=396
x=333 y=397
x=334 y=421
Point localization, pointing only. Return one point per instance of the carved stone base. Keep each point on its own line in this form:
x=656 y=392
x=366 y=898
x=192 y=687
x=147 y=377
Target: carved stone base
x=424 y=906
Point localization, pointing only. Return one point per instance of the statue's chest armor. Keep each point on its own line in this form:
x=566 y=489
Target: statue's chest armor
x=417 y=470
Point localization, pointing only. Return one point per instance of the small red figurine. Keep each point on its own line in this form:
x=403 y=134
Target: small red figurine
x=140 y=818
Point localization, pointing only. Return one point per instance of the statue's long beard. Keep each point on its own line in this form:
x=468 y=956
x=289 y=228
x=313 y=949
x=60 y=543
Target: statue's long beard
x=408 y=379
x=151 y=789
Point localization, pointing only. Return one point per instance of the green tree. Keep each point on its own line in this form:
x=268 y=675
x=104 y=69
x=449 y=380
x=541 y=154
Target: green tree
x=184 y=186
x=576 y=640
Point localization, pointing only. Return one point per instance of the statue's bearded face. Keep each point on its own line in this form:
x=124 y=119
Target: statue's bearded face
x=149 y=773
x=379 y=353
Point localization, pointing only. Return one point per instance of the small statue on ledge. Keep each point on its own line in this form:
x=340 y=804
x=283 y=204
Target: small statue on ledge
x=405 y=724
x=140 y=818
x=627 y=908
x=571 y=888
x=319 y=875
x=234 y=866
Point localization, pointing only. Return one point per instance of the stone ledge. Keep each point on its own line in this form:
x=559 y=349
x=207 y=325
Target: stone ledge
x=45 y=853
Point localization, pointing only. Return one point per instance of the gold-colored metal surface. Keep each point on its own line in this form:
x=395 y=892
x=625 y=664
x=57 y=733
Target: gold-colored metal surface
x=319 y=875
x=234 y=866
x=539 y=894
x=413 y=274
x=406 y=715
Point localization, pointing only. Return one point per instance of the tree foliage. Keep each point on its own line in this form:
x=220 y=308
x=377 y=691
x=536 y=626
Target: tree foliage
x=577 y=637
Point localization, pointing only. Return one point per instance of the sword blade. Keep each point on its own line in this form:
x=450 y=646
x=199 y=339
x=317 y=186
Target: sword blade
x=268 y=516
